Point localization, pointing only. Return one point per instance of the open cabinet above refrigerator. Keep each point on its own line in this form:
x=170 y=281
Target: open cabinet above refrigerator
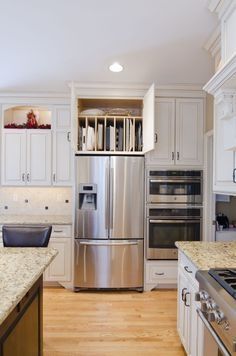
x=112 y=120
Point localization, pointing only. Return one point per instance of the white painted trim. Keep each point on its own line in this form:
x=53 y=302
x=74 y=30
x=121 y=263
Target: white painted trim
x=222 y=76
x=213 y=44
x=102 y=90
x=213 y=5
x=208 y=197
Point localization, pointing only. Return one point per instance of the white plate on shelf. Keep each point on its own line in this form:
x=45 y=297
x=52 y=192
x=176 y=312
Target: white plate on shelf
x=92 y=112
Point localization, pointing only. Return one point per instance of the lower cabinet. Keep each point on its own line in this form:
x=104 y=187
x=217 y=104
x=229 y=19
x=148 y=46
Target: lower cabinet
x=160 y=273
x=188 y=323
x=60 y=269
x=21 y=333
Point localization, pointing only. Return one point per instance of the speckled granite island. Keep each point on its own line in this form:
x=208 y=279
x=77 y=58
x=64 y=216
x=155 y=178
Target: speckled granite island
x=206 y=255
x=21 y=281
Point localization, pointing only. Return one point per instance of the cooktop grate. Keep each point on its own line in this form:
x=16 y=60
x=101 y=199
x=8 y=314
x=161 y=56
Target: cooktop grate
x=226 y=278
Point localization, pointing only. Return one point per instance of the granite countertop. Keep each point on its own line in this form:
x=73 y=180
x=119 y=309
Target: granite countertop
x=206 y=255
x=19 y=270
x=36 y=219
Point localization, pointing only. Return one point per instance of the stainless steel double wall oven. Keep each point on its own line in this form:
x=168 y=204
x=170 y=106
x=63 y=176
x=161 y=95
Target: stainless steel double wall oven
x=174 y=210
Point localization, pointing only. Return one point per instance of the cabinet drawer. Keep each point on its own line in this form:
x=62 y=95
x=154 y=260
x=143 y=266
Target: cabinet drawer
x=187 y=266
x=161 y=272
x=61 y=231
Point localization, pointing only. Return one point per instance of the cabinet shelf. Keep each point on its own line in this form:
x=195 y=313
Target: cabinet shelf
x=110 y=133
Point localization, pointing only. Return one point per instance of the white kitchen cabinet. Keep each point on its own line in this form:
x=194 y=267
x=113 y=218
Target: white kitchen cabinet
x=179 y=132
x=62 y=153
x=189 y=132
x=60 y=270
x=188 y=325
x=13 y=165
x=164 y=151
x=26 y=157
x=160 y=273
x=126 y=117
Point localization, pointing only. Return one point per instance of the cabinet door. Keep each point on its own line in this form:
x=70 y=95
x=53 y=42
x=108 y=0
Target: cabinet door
x=189 y=131
x=62 y=148
x=60 y=268
x=183 y=311
x=13 y=157
x=148 y=119
x=223 y=162
x=163 y=153
x=39 y=157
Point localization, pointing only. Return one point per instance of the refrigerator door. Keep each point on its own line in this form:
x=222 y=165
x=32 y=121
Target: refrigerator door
x=108 y=264
x=92 y=210
x=126 y=197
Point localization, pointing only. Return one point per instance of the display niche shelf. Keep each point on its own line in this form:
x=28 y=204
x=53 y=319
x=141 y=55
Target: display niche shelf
x=110 y=125
x=27 y=117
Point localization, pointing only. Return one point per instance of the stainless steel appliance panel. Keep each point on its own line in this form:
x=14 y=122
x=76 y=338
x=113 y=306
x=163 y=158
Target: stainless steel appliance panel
x=167 y=224
x=93 y=171
x=174 y=186
x=108 y=264
x=126 y=197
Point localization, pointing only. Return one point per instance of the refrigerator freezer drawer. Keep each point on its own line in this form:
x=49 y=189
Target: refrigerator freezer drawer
x=108 y=264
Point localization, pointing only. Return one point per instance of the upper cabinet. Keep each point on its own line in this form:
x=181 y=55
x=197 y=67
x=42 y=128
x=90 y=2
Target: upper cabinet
x=26 y=157
x=179 y=132
x=223 y=87
x=62 y=152
x=116 y=120
x=228 y=30
x=36 y=147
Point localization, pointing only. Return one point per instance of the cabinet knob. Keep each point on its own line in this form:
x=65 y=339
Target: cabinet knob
x=68 y=136
x=23 y=177
x=28 y=177
x=178 y=156
x=54 y=177
x=172 y=156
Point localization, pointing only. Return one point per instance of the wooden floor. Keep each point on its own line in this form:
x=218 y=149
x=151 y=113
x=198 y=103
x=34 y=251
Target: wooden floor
x=127 y=323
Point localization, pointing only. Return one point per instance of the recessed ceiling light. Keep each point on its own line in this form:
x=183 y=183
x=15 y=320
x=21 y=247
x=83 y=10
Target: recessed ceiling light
x=116 y=67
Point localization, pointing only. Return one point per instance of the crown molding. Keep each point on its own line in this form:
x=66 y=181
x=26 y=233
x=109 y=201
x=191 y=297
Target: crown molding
x=213 y=44
x=31 y=98
x=220 y=6
x=225 y=78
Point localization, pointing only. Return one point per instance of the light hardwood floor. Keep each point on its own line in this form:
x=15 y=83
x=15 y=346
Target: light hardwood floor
x=122 y=323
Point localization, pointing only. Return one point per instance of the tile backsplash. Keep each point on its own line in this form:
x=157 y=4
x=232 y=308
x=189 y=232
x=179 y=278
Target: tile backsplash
x=35 y=201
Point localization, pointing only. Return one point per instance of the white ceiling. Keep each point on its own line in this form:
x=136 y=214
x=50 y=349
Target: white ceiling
x=44 y=44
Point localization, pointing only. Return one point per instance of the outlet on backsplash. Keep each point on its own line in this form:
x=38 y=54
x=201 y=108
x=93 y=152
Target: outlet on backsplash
x=36 y=201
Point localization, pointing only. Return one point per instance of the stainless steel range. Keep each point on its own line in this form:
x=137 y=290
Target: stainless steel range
x=217 y=296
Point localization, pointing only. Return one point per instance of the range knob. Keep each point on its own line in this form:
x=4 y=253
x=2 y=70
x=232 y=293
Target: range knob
x=216 y=315
x=201 y=296
x=210 y=304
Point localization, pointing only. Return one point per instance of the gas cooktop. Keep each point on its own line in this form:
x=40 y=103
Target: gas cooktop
x=226 y=278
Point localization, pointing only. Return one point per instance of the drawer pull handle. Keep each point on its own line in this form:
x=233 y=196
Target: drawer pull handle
x=57 y=230
x=187 y=270
x=159 y=274
x=183 y=293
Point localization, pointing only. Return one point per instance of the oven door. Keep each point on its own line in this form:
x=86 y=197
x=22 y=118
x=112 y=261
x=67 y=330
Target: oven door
x=163 y=233
x=174 y=191
x=209 y=342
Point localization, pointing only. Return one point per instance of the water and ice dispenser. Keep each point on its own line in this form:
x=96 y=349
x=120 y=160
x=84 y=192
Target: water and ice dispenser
x=88 y=196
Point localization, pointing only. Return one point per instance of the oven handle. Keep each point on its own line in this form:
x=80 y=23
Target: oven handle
x=174 y=181
x=173 y=221
x=213 y=333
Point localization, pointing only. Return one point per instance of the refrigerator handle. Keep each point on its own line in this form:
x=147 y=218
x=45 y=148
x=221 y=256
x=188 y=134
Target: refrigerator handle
x=111 y=196
x=107 y=198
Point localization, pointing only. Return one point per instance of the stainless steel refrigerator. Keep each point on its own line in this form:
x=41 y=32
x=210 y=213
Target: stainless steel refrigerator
x=109 y=222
